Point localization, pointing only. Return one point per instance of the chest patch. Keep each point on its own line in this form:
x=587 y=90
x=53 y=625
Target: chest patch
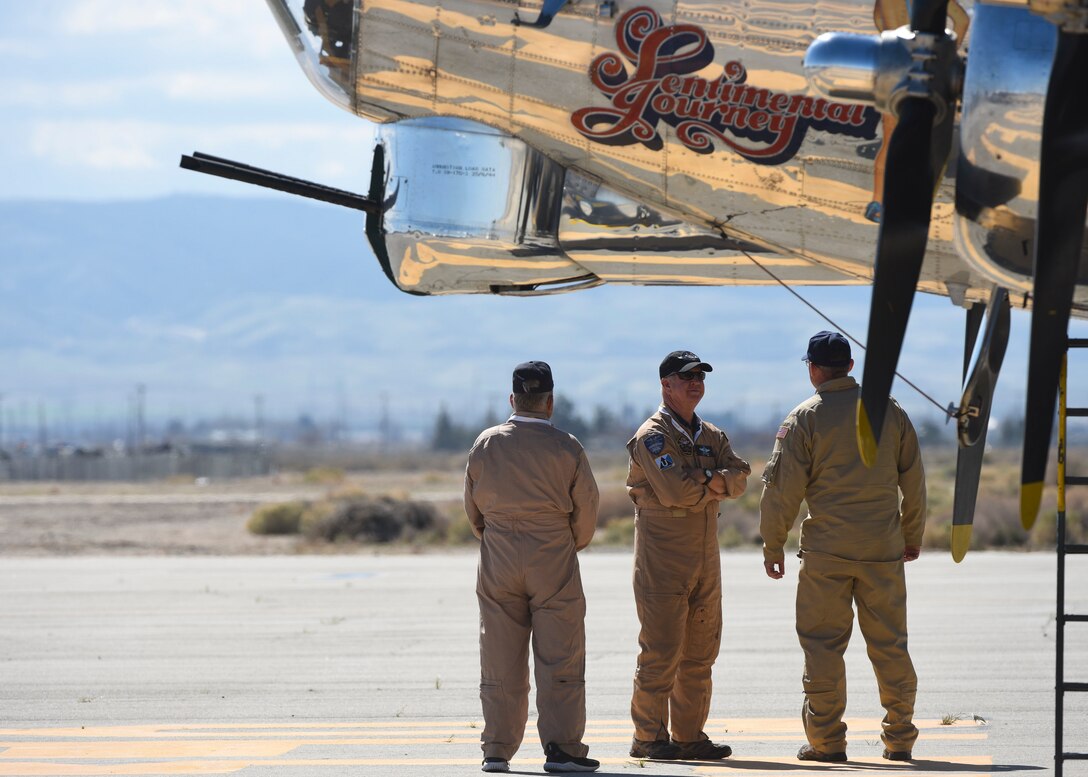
x=704 y=450
x=685 y=446
x=664 y=462
x=655 y=443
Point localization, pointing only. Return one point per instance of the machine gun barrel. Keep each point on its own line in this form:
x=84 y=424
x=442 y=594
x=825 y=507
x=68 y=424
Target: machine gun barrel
x=237 y=171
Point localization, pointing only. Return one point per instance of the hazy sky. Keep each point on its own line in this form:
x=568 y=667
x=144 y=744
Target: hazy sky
x=99 y=98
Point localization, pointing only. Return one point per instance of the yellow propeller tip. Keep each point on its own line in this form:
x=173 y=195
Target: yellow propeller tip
x=866 y=440
x=1031 y=496
x=961 y=541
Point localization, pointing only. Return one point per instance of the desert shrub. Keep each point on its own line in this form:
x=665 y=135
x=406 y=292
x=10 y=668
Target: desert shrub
x=997 y=523
x=281 y=518
x=615 y=504
x=619 y=532
x=381 y=520
x=315 y=514
x=459 y=530
x=324 y=475
x=729 y=536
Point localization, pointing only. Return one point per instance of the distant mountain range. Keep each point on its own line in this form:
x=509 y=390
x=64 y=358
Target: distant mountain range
x=210 y=301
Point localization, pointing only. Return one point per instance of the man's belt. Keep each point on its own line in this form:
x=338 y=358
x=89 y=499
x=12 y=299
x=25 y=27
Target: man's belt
x=676 y=512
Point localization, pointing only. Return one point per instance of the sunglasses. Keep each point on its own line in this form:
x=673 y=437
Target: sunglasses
x=691 y=375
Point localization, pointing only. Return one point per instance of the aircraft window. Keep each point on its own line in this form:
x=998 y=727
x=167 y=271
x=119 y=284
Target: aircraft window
x=320 y=33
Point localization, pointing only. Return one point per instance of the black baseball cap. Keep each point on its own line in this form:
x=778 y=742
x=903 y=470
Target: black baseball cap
x=533 y=378
x=828 y=349
x=682 y=361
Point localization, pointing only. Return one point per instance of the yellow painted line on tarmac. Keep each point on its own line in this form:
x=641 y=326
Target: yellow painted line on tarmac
x=205 y=748
x=412 y=728
x=853 y=768
x=960 y=766
x=222 y=748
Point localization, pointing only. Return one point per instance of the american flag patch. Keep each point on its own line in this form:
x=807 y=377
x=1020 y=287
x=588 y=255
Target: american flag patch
x=782 y=432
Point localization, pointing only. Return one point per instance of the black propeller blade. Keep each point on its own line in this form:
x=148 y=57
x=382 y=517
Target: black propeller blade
x=975 y=416
x=917 y=153
x=1059 y=231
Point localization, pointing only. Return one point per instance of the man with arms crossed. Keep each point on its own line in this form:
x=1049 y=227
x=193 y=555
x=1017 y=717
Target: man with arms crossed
x=532 y=500
x=681 y=467
x=853 y=545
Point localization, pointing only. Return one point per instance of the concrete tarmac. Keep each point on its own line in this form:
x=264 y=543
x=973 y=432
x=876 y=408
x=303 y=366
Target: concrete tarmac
x=369 y=665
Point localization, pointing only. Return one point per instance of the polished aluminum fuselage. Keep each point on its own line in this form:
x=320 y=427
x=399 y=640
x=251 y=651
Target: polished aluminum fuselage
x=658 y=142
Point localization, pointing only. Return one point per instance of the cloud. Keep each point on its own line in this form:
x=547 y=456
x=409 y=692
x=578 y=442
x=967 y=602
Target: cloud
x=140 y=145
x=98 y=145
x=101 y=94
x=220 y=27
x=217 y=86
x=170 y=332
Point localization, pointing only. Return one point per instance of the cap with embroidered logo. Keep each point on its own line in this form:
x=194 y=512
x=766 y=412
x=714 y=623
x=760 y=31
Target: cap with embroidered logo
x=682 y=361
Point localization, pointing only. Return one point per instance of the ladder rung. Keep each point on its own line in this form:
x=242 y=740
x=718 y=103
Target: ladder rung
x=1075 y=756
x=1075 y=618
x=1073 y=550
x=1076 y=411
x=1076 y=480
x=1075 y=687
x=1076 y=342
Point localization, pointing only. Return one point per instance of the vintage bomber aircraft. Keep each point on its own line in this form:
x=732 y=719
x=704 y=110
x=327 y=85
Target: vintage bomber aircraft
x=539 y=146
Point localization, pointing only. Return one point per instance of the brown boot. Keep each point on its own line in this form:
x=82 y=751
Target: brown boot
x=897 y=755
x=654 y=749
x=810 y=753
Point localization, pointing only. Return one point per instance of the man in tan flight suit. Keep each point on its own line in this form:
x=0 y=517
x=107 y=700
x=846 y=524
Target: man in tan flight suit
x=853 y=545
x=532 y=500
x=681 y=467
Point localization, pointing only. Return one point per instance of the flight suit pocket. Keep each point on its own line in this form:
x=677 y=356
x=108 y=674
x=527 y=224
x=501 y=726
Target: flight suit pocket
x=772 y=467
x=704 y=630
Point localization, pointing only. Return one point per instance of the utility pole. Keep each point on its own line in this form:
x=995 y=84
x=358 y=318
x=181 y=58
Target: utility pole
x=385 y=423
x=43 y=432
x=141 y=395
x=258 y=417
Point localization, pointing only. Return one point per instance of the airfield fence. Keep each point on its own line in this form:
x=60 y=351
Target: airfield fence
x=216 y=463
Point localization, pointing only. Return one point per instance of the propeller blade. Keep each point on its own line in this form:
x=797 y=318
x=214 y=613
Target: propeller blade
x=929 y=17
x=970 y=335
x=917 y=153
x=1059 y=232
x=968 y=471
x=974 y=417
x=978 y=390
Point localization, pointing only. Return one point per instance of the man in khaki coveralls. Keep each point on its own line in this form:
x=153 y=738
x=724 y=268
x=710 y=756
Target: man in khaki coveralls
x=532 y=500
x=853 y=545
x=681 y=467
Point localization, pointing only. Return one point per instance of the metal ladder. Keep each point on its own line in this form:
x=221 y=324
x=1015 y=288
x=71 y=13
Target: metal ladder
x=1061 y=687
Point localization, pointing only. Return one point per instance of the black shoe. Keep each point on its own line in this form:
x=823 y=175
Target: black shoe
x=702 y=750
x=654 y=749
x=810 y=753
x=558 y=761
x=492 y=764
x=897 y=755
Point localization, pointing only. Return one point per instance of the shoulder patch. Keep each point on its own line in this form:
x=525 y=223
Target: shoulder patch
x=664 y=462
x=655 y=443
x=782 y=432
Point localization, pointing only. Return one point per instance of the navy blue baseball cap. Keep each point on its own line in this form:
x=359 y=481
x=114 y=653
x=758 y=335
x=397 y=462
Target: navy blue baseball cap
x=533 y=378
x=828 y=349
x=681 y=361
